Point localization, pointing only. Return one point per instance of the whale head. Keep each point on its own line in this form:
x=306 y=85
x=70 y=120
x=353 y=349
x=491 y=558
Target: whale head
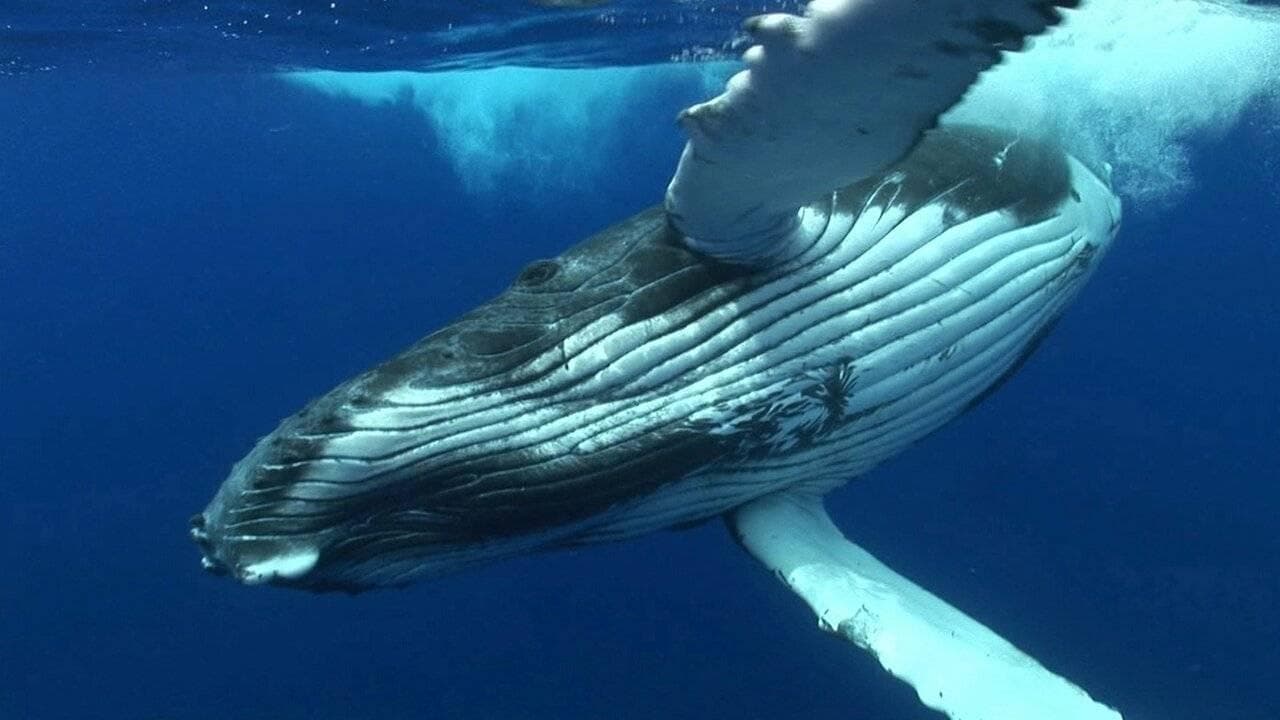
x=476 y=442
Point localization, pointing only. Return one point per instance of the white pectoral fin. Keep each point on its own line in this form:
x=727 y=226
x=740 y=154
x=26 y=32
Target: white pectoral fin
x=827 y=99
x=956 y=665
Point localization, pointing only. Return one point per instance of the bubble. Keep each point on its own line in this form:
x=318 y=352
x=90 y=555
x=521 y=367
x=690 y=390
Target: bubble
x=1138 y=83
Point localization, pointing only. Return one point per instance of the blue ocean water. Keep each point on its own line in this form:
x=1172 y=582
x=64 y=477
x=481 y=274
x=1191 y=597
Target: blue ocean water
x=190 y=252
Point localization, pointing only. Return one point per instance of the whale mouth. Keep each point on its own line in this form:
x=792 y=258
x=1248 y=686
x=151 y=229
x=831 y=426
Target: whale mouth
x=251 y=560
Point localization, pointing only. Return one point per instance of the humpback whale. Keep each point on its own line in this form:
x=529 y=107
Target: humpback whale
x=832 y=276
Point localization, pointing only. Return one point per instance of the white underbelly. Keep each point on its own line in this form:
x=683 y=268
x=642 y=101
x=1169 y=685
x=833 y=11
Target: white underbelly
x=912 y=326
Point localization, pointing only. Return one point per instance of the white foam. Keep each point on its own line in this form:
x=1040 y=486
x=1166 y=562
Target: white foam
x=538 y=130
x=1136 y=82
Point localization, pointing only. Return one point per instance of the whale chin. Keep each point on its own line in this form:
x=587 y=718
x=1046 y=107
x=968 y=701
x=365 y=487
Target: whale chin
x=263 y=530
x=632 y=384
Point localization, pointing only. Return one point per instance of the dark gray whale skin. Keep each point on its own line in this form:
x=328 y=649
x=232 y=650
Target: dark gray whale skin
x=363 y=505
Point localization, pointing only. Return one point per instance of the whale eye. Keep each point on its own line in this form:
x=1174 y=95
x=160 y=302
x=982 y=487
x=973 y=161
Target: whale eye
x=537 y=273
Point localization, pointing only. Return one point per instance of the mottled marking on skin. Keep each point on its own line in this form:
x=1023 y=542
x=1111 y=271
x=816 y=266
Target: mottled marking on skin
x=953 y=49
x=1030 y=178
x=796 y=415
x=999 y=33
x=1085 y=259
x=911 y=72
x=1050 y=12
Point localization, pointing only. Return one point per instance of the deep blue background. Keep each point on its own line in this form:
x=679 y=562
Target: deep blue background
x=175 y=277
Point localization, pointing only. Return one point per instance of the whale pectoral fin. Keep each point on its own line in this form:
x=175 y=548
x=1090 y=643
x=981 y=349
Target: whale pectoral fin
x=828 y=99
x=956 y=665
